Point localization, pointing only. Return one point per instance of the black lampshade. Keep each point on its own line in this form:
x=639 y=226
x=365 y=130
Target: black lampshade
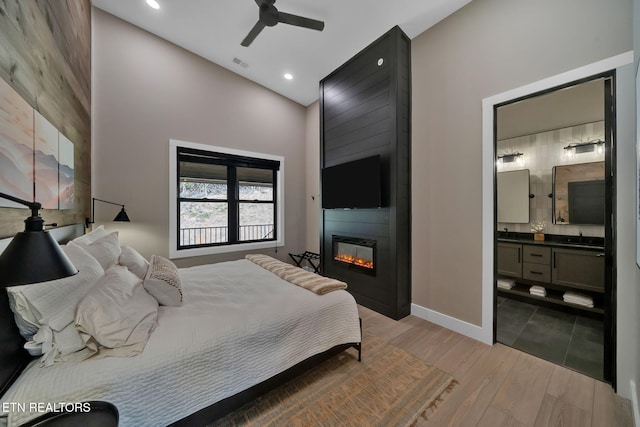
x=32 y=257
x=122 y=216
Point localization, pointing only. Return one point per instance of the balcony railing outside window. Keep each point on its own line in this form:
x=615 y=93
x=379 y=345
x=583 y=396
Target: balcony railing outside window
x=212 y=235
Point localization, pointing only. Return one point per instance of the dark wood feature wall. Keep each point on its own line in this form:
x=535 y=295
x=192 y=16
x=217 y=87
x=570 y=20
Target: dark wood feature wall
x=365 y=111
x=45 y=55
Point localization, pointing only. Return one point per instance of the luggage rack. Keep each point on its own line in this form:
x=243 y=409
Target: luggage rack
x=308 y=256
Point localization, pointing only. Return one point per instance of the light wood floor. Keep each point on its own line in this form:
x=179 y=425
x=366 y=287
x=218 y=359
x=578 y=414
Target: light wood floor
x=501 y=386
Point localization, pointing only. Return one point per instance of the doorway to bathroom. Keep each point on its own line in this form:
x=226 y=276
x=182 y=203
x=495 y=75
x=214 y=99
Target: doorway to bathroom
x=554 y=216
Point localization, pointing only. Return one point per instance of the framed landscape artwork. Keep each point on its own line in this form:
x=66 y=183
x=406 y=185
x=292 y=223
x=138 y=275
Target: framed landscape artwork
x=46 y=162
x=36 y=160
x=16 y=146
x=66 y=173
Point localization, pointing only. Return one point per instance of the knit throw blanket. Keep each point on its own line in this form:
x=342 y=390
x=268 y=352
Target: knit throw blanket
x=296 y=275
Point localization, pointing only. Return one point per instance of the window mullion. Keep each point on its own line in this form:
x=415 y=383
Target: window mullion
x=275 y=205
x=232 y=196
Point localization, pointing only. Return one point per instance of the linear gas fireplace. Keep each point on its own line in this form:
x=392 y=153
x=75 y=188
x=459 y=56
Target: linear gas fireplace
x=357 y=254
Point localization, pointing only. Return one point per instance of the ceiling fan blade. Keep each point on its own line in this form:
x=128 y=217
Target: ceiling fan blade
x=300 y=21
x=253 y=34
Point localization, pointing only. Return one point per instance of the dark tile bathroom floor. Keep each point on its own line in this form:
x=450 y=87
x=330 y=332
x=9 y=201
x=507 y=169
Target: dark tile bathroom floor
x=575 y=342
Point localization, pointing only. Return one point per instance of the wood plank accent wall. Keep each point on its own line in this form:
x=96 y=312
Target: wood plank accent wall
x=45 y=55
x=365 y=111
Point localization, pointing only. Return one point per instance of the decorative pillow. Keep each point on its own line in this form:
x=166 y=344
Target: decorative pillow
x=135 y=262
x=105 y=249
x=163 y=282
x=92 y=236
x=117 y=316
x=48 y=308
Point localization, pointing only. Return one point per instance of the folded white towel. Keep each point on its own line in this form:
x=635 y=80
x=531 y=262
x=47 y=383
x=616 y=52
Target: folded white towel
x=578 y=300
x=538 y=290
x=572 y=299
x=581 y=303
x=576 y=297
x=506 y=283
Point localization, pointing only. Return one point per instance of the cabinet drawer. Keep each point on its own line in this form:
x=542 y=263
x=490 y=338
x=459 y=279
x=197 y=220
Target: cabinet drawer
x=537 y=254
x=537 y=272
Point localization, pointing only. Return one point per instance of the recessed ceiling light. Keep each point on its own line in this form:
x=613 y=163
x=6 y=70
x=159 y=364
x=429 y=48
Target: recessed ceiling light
x=288 y=76
x=153 y=3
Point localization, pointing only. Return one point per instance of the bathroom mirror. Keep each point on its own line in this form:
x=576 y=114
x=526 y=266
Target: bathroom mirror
x=513 y=196
x=579 y=194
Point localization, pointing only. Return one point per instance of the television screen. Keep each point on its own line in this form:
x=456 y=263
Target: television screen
x=586 y=202
x=352 y=185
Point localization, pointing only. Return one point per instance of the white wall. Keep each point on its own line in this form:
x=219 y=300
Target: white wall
x=147 y=91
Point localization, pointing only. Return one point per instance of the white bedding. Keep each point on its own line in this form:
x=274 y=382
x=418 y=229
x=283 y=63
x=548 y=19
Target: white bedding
x=239 y=326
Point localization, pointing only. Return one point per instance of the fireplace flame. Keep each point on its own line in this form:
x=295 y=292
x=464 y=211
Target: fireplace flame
x=350 y=259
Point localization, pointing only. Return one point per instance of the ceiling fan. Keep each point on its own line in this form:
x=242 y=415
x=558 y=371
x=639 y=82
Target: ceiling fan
x=270 y=16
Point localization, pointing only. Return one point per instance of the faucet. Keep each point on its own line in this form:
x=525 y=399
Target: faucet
x=506 y=232
x=580 y=237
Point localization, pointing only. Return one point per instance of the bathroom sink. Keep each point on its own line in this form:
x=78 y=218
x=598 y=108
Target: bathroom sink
x=580 y=241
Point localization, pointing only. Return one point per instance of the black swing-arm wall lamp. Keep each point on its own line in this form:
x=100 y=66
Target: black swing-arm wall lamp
x=122 y=215
x=33 y=255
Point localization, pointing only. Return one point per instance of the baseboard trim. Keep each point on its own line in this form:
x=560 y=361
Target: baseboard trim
x=634 y=403
x=460 y=326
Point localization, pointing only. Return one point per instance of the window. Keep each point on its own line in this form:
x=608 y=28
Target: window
x=224 y=200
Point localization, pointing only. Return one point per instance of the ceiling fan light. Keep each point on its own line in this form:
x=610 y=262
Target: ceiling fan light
x=153 y=3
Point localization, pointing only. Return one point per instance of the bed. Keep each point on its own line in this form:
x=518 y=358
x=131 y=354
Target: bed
x=241 y=330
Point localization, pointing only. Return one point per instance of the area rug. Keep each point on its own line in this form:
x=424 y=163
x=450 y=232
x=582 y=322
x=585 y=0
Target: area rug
x=390 y=387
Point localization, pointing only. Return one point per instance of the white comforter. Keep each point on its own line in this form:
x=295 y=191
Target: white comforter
x=239 y=325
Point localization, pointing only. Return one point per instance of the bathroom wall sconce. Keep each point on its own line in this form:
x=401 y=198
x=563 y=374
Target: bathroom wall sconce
x=585 y=147
x=511 y=157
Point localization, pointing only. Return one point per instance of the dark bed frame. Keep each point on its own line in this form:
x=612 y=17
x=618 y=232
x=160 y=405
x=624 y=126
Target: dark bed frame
x=14 y=358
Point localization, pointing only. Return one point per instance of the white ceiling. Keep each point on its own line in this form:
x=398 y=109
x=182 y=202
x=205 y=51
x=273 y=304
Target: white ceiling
x=571 y=106
x=214 y=29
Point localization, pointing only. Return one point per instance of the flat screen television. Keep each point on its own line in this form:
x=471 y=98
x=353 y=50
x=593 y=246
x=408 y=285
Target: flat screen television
x=586 y=202
x=352 y=185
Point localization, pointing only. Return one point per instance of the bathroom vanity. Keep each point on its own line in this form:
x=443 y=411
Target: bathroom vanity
x=566 y=263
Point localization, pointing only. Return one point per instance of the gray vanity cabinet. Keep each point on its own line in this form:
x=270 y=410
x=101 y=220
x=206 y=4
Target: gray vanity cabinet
x=537 y=260
x=509 y=259
x=556 y=268
x=578 y=269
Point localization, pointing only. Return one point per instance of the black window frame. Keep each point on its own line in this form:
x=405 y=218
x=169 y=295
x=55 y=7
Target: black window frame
x=232 y=162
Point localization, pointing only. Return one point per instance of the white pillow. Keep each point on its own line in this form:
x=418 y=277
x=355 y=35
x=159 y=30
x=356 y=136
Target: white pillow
x=92 y=236
x=48 y=308
x=163 y=282
x=105 y=249
x=117 y=316
x=135 y=262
